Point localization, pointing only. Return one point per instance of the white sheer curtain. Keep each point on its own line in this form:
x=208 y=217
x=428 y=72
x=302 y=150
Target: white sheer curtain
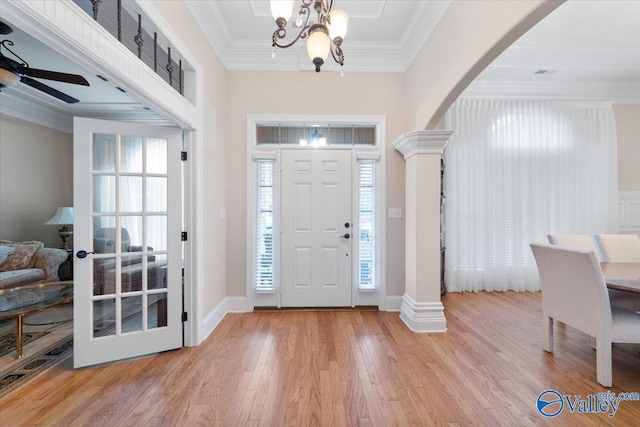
x=517 y=171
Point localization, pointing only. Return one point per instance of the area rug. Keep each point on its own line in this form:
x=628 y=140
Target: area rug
x=8 y=340
x=34 y=364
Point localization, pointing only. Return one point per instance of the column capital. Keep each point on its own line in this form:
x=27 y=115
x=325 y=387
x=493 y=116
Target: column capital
x=422 y=142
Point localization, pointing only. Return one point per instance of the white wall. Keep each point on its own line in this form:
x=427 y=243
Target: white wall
x=213 y=156
x=312 y=93
x=36 y=177
x=628 y=128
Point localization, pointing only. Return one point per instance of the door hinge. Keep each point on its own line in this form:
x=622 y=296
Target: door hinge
x=184 y=316
x=183 y=236
x=183 y=156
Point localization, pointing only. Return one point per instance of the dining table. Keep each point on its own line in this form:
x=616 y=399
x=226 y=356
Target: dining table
x=622 y=276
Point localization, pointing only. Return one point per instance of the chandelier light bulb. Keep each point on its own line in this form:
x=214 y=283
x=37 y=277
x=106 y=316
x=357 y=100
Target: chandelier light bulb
x=338 y=26
x=318 y=46
x=282 y=9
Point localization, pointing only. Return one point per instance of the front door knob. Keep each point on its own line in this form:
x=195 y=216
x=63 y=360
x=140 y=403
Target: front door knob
x=346 y=236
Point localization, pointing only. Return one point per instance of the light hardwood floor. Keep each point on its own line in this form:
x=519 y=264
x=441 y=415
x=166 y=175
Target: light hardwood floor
x=342 y=368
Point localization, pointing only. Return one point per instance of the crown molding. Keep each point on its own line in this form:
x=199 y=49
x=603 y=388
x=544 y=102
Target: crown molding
x=34 y=111
x=618 y=93
x=255 y=55
x=427 y=16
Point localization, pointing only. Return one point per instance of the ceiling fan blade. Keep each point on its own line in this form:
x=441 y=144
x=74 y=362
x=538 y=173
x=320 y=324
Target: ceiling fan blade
x=48 y=89
x=54 y=75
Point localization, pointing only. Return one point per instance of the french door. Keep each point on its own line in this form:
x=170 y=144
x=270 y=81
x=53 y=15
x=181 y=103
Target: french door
x=127 y=202
x=316 y=228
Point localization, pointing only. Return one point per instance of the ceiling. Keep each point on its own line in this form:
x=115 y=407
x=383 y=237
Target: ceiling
x=382 y=35
x=590 y=47
x=102 y=99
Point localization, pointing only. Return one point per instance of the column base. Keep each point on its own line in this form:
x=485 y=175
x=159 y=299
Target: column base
x=423 y=317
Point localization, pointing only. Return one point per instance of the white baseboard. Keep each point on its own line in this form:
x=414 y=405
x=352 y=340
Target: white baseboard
x=394 y=303
x=227 y=305
x=423 y=317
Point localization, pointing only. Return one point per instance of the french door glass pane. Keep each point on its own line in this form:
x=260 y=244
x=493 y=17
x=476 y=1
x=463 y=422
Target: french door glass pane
x=131 y=314
x=157 y=310
x=130 y=192
x=157 y=232
x=131 y=154
x=157 y=156
x=159 y=265
x=104 y=152
x=131 y=233
x=104 y=320
x=156 y=194
x=104 y=193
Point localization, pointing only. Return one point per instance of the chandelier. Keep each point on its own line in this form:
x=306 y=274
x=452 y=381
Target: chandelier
x=324 y=36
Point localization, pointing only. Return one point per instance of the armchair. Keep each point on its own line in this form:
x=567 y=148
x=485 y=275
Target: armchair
x=131 y=259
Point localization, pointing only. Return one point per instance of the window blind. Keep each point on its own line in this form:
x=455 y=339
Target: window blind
x=367 y=224
x=264 y=226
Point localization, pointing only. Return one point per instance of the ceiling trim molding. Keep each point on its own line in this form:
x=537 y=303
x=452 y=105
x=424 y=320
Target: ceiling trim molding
x=618 y=93
x=23 y=107
x=427 y=16
x=255 y=55
x=208 y=16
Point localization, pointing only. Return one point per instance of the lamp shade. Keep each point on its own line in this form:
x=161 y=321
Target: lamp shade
x=338 y=27
x=61 y=217
x=282 y=8
x=8 y=79
x=318 y=45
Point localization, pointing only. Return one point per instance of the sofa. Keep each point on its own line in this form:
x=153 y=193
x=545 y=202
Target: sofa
x=24 y=263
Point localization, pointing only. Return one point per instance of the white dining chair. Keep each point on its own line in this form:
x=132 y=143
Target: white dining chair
x=574 y=292
x=580 y=241
x=619 y=247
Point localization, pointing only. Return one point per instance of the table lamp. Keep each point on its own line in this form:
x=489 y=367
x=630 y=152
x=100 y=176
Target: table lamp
x=64 y=217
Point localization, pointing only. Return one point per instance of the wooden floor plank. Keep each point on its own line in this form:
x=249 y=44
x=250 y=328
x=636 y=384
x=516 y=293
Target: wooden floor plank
x=342 y=368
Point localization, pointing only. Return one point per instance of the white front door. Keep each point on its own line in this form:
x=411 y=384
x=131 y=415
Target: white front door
x=127 y=200
x=316 y=228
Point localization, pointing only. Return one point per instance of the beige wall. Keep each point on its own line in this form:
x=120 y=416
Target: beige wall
x=311 y=93
x=213 y=156
x=469 y=37
x=36 y=176
x=628 y=128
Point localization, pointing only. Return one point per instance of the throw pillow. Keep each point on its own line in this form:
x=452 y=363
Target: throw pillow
x=22 y=256
x=5 y=251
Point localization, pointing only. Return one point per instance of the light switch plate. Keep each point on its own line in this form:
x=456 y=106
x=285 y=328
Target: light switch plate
x=222 y=213
x=395 y=213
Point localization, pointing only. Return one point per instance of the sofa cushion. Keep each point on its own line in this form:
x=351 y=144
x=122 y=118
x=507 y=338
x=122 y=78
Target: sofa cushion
x=10 y=279
x=5 y=251
x=22 y=257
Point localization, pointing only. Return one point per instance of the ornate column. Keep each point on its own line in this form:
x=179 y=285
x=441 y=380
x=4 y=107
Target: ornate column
x=421 y=309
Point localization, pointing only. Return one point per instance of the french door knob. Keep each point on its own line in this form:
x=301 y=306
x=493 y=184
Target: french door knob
x=346 y=236
x=83 y=254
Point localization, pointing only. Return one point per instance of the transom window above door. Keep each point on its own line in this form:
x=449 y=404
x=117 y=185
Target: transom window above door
x=315 y=134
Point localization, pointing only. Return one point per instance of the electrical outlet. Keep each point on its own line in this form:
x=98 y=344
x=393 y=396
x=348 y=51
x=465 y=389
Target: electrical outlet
x=395 y=213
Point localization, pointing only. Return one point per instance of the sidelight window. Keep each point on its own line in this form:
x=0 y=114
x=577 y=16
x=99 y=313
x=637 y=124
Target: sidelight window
x=264 y=261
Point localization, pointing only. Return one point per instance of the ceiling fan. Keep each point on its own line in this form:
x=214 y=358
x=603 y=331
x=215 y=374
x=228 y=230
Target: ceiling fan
x=13 y=72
